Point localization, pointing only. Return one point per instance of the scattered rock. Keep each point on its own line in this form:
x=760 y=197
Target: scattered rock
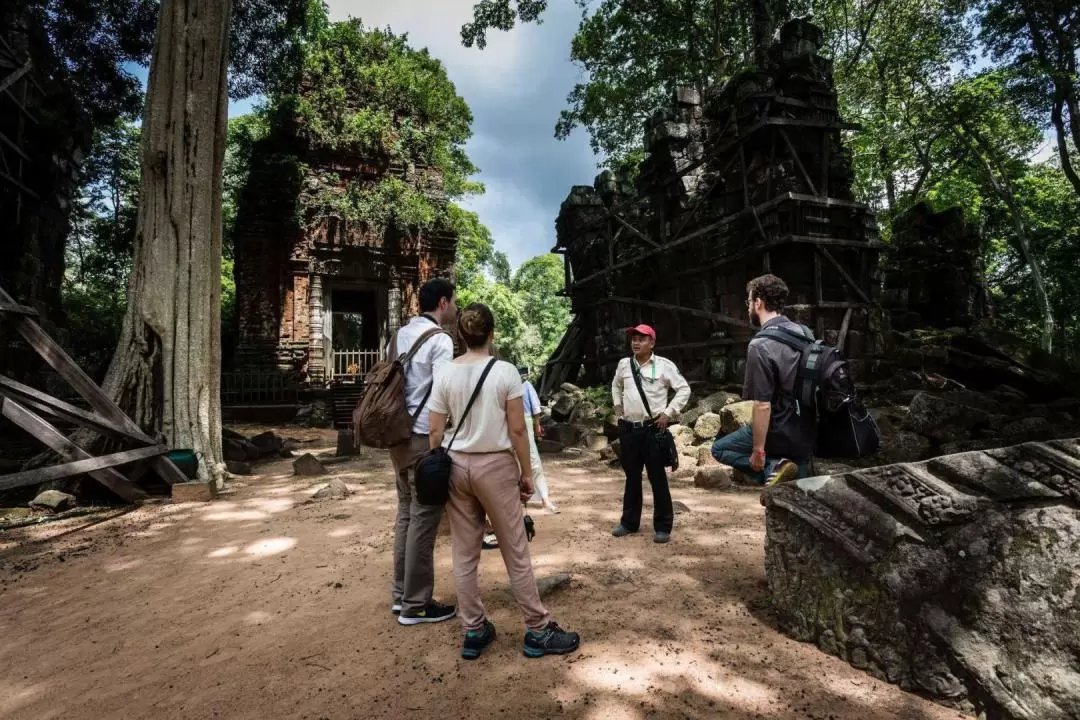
x=685 y=472
x=680 y=507
x=564 y=433
x=736 y=415
x=738 y=477
x=571 y=388
x=307 y=464
x=710 y=404
x=903 y=446
x=238 y=467
x=705 y=457
x=251 y=451
x=13 y=514
x=336 y=489
x=707 y=427
x=345 y=445
x=943 y=420
x=597 y=443
x=194 y=492
x=717 y=477
x=683 y=434
x=268 y=443
x=546 y=446
x=233 y=449
x=1033 y=427
x=551 y=583
x=563 y=404
x=53 y=500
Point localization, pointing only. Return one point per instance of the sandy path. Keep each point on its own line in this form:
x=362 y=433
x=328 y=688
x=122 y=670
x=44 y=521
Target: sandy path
x=261 y=606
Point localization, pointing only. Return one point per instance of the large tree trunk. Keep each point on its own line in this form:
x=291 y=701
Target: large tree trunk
x=166 y=372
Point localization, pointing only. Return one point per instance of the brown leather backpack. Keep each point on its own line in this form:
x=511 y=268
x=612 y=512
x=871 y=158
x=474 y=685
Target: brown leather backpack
x=381 y=418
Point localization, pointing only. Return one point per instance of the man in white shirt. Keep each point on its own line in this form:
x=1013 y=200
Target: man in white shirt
x=640 y=422
x=416 y=526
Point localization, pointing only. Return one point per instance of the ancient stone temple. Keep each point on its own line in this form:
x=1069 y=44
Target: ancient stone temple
x=933 y=271
x=743 y=179
x=319 y=295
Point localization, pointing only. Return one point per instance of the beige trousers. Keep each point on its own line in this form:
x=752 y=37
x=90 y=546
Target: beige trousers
x=488 y=483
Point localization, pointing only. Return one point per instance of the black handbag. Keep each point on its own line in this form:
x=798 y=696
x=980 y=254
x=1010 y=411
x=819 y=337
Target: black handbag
x=669 y=454
x=433 y=468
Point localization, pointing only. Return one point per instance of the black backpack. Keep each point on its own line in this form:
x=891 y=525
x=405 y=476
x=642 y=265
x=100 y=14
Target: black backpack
x=824 y=386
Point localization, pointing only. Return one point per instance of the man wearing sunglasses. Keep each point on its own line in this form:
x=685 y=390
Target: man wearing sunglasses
x=642 y=413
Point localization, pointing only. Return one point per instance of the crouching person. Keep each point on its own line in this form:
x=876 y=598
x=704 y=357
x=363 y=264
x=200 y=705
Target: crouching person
x=491 y=475
x=778 y=443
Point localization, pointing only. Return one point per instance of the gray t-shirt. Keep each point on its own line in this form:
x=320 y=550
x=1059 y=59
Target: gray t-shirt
x=771 y=367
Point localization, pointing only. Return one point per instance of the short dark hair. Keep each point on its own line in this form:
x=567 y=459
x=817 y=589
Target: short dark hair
x=771 y=290
x=433 y=291
x=476 y=324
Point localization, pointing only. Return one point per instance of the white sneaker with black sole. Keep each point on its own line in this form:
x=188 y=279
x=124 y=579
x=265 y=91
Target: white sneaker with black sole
x=432 y=613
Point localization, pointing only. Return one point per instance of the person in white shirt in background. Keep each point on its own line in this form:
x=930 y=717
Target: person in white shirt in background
x=417 y=525
x=638 y=447
x=532 y=418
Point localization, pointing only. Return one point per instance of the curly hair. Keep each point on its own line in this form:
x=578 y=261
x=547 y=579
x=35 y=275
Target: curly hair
x=771 y=290
x=476 y=323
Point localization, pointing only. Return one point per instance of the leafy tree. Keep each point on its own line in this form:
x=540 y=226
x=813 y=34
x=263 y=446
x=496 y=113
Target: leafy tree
x=1039 y=41
x=539 y=282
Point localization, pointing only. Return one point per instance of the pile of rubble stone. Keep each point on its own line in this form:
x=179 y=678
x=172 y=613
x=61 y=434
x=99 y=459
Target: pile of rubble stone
x=240 y=451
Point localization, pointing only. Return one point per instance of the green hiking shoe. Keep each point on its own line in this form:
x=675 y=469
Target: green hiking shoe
x=477 y=640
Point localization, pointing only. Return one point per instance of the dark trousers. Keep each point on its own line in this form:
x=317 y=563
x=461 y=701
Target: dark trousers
x=640 y=451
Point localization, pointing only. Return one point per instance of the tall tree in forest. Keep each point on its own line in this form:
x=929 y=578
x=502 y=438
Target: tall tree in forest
x=166 y=371
x=1039 y=40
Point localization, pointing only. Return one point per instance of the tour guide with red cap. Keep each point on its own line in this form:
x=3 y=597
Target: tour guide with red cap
x=640 y=391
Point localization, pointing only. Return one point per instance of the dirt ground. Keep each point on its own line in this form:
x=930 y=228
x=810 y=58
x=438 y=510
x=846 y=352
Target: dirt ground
x=260 y=605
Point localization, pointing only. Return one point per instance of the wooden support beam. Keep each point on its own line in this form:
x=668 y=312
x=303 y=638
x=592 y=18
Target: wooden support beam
x=19 y=185
x=844 y=274
x=18 y=150
x=16 y=309
x=62 y=410
x=69 y=370
x=726 y=319
x=798 y=161
x=58 y=443
x=745 y=180
x=78 y=467
x=634 y=230
x=14 y=77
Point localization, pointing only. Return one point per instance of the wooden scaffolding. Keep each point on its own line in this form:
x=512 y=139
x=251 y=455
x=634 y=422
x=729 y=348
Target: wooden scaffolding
x=36 y=412
x=751 y=179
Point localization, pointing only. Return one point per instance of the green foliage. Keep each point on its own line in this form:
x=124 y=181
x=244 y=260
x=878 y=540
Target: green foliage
x=243 y=133
x=365 y=92
x=530 y=318
x=499 y=15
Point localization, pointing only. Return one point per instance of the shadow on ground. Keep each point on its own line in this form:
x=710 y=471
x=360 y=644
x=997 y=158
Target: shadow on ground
x=263 y=605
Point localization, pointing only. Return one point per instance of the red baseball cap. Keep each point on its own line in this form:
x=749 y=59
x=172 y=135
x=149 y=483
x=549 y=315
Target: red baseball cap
x=642 y=330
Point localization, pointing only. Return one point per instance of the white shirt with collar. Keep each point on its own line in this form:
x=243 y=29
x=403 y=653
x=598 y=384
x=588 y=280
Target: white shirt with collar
x=658 y=377
x=435 y=352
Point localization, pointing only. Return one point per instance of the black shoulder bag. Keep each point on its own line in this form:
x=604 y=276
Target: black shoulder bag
x=433 y=469
x=669 y=454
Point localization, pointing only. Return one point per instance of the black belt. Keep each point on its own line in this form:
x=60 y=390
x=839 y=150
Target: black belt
x=635 y=424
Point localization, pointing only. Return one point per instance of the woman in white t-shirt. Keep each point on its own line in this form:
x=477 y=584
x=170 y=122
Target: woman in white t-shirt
x=491 y=474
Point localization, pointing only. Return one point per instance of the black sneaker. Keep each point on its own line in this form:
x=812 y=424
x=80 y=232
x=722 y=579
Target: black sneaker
x=552 y=640
x=433 y=613
x=477 y=640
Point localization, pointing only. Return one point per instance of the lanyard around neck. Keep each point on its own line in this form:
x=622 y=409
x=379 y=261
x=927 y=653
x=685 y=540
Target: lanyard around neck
x=652 y=361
